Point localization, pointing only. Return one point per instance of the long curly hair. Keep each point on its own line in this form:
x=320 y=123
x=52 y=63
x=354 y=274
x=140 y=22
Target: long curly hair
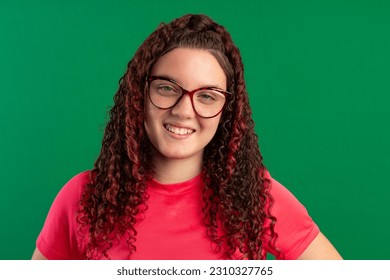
x=236 y=195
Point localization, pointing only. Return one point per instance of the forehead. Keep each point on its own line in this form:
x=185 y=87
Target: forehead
x=191 y=68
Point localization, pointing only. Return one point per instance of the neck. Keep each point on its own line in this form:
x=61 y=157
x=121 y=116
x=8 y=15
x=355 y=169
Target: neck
x=169 y=171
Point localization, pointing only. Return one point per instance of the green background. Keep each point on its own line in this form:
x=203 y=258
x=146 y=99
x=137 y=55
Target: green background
x=317 y=73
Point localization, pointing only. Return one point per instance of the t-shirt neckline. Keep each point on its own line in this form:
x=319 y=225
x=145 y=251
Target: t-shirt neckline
x=194 y=184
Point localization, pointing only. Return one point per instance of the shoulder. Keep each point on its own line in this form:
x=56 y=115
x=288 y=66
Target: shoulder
x=76 y=185
x=280 y=194
x=67 y=199
x=294 y=226
x=79 y=180
x=58 y=237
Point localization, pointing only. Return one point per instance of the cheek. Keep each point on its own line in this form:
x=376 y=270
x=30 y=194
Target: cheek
x=211 y=126
x=151 y=114
x=148 y=120
x=153 y=122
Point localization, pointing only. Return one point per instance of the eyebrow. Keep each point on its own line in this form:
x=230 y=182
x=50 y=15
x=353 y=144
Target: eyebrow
x=173 y=79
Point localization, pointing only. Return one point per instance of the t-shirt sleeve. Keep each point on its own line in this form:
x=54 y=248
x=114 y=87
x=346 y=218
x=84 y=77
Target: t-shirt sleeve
x=58 y=237
x=295 y=228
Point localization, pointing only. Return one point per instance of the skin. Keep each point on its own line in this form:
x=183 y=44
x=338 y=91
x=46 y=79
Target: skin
x=320 y=249
x=37 y=255
x=178 y=158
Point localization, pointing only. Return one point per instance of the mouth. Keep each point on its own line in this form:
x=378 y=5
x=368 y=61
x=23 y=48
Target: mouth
x=178 y=130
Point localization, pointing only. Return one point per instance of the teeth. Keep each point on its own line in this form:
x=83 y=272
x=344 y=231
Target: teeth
x=179 y=130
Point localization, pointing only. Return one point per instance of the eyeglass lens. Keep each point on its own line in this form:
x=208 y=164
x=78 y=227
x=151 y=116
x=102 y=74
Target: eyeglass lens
x=207 y=102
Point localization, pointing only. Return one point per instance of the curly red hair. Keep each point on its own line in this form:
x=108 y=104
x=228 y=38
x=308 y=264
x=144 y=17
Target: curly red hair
x=236 y=194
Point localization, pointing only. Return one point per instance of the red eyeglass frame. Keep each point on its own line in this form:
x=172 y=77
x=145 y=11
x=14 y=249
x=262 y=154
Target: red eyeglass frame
x=191 y=93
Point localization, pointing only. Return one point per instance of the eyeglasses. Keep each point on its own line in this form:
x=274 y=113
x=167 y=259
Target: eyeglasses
x=165 y=93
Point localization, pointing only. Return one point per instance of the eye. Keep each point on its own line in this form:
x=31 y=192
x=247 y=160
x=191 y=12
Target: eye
x=165 y=88
x=206 y=96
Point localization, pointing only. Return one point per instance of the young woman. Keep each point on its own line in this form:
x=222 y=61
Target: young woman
x=180 y=174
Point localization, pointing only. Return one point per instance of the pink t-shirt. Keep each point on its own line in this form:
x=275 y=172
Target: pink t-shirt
x=172 y=226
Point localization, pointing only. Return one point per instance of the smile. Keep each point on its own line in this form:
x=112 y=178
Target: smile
x=178 y=130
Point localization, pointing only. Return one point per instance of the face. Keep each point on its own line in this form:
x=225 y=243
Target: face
x=179 y=133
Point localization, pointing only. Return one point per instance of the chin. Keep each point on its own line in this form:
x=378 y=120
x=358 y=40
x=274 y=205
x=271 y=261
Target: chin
x=179 y=155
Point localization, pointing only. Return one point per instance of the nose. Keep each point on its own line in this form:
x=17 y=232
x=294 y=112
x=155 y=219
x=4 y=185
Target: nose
x=184 y=107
